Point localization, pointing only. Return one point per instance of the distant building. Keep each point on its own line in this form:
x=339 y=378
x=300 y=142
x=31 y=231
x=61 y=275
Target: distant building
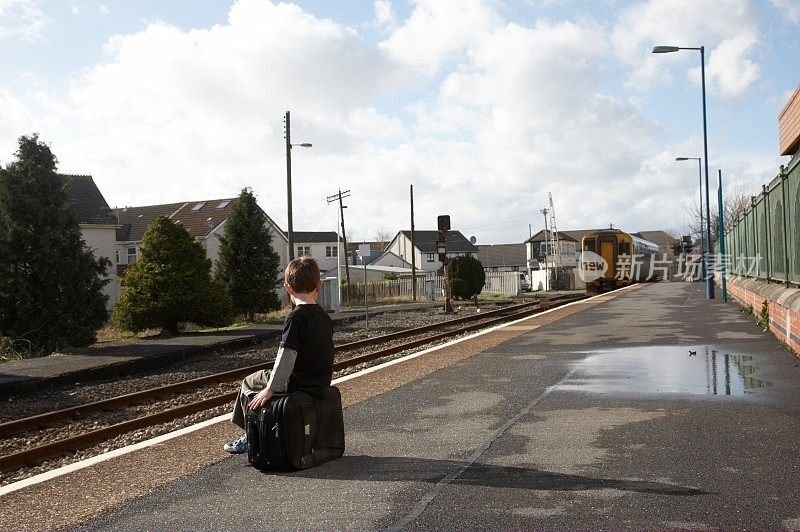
x=424 y=250
x=503 y=257
x=205 y=220
x=97 y=222
x=324 y=246
x=540 y=255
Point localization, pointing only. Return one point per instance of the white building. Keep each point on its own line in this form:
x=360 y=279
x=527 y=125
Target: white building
x=205 y=220
x=97 y=222
x=424 y=250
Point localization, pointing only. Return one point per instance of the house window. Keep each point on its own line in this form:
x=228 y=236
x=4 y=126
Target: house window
x=331 y=251
x=303 y=251
x=431 y=257
x=117 y=256
x=223 y=204
x=132 y=255
x=198 y=206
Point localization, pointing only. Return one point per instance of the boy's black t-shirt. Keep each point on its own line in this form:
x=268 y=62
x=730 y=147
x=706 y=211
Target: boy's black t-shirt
x=309 y=330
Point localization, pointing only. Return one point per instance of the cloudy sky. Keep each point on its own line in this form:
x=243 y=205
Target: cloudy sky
x=484 y=106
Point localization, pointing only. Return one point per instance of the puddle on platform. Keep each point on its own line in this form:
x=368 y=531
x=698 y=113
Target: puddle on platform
x=695 y=370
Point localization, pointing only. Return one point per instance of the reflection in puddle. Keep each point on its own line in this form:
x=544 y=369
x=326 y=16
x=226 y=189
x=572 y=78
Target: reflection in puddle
x=698 y=370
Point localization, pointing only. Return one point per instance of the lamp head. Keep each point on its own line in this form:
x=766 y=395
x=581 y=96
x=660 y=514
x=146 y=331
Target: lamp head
x=665 y=49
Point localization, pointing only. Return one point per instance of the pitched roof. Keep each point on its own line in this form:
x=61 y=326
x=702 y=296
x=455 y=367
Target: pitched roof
x=201 y=217
x=134 y=220
x=502 y=255
x=374 y=246
x=88 y=203
x=198 y=217
x=562 y=235
x=578 y=234
x=314 y=237
x=425 y=241
x=661 y=238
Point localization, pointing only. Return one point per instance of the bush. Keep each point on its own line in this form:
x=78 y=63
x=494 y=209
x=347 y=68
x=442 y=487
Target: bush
x=470 y=270
x=170 y=284
x=459 y=288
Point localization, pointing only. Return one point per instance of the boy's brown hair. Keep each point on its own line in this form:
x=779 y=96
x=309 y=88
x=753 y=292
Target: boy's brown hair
x=302 y=274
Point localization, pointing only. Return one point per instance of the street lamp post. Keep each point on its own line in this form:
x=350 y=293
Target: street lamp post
x=289 y=226
x=702 y=239
x=706 y=250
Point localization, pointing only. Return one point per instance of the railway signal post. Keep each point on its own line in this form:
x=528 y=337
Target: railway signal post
x=443 y=225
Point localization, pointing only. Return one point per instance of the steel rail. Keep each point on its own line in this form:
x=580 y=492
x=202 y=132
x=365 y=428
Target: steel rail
x=38 y=454
x=11 y=428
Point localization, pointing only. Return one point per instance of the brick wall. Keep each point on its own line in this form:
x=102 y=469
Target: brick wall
x=783 y=304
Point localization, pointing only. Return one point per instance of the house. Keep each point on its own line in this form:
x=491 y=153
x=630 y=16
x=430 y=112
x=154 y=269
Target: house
x=424 y=251
x=663 y=240
x=503 y=257
x=97 y=222
x=322 y=245
x=205 y=220
x=376 y=249
x=539 y=250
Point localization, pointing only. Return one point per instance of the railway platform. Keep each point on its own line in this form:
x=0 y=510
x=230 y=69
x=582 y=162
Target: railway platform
x=647 y=408
x=118 y=359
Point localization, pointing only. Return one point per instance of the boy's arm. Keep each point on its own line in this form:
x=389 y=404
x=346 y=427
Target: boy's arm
x=278 y=379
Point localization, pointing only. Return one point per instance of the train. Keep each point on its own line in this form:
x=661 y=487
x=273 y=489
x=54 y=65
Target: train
x=611 y=259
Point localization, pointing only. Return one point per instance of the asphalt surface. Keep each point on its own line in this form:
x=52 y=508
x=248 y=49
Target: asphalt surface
x=655 y=410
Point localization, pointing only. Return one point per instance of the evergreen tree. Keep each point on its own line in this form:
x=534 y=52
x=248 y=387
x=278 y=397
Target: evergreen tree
x=469 y=270
x=247 y=264
x=170 y=284
x=50 y=282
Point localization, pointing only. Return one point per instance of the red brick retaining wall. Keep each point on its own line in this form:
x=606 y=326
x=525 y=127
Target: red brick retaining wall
x=783 y=304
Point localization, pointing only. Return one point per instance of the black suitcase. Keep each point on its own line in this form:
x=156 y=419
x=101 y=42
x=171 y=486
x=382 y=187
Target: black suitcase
x=296 y=431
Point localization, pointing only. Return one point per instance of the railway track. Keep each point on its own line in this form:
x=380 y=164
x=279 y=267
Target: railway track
x=348 y=356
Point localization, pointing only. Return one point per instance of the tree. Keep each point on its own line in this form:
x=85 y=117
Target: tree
x=170 y=284
x=247 y=264
x=735 y=201
x=469 y=270
x=50 y=283
x=383 y=236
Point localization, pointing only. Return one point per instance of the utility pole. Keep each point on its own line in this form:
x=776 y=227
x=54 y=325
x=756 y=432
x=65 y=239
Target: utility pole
x=339 y=197
x=289 y=225
x=413 y=252
x=546 y=268
x=557 y=266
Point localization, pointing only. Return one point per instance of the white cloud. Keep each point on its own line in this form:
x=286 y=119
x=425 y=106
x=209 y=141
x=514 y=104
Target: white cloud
x=727 y=28
x=437 y=30
x=384 y=14
x=483 y=115
x=789 y=10
x=729 y=71
x=15 y=120
x=173 y=114
x=22 y=18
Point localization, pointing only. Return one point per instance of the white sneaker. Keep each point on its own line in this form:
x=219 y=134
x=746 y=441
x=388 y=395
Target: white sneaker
x=237 y=446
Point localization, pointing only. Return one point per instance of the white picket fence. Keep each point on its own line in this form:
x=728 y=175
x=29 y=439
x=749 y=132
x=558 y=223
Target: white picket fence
x=498 y=283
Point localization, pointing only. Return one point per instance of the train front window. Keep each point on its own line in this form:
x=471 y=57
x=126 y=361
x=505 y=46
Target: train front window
x=625 y=248
x=588 y=245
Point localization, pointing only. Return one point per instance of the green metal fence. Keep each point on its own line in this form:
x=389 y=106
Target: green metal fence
x=765 y=241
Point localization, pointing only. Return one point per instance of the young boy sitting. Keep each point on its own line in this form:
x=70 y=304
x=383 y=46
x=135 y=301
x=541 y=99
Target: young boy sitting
x=305 y=355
